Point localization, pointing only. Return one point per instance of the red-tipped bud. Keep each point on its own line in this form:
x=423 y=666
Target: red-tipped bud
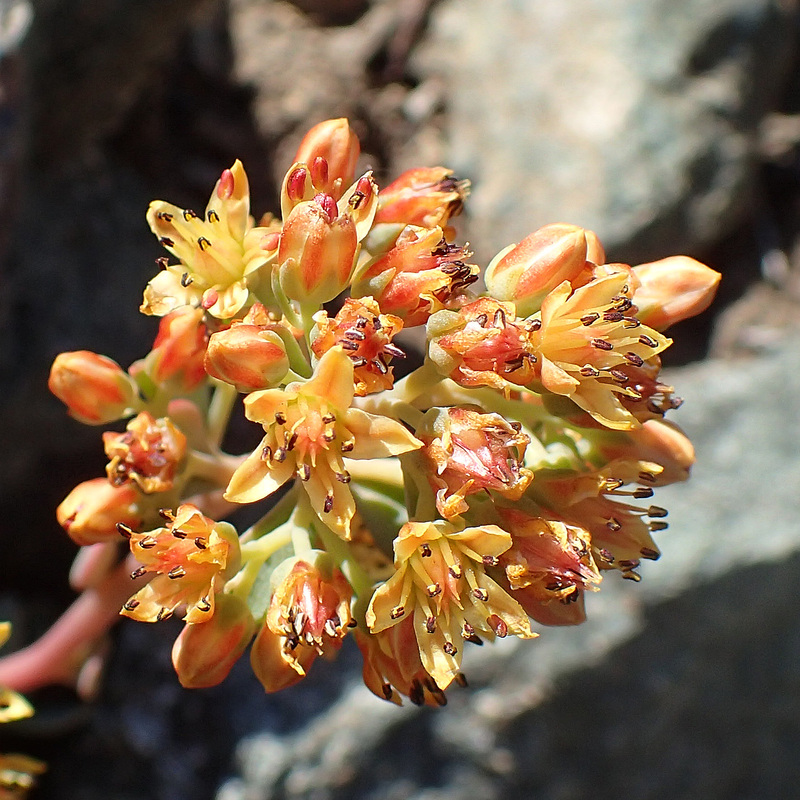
x=525 y=273
x=331 y=149
x=317 y=252
x=673 y=289
x=205 y=652
x=91 y=512
x=94 y=388
x=250 y=357
x=179 y=349
x=426 y=196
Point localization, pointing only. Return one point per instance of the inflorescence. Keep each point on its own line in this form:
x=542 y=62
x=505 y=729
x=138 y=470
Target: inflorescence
x=491 y=486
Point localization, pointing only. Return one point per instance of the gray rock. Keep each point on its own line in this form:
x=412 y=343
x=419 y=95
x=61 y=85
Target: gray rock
x=637 y=120
x=668 y=689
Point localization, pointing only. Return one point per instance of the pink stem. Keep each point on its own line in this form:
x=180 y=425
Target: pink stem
x=58 y=655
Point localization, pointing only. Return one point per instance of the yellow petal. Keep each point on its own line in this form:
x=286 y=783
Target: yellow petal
x=377 y=436
x=333 y=379
x=387 y=597
x=255 y=478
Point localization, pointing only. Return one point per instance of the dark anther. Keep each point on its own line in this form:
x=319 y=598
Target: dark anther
x=456 y=571
x=162 y=262
x=430 y=624
x=166 y=241
x=643 y=492
x=356 y=200
x=280 y=417
x=497 y=625
x=449 y=648
x=613 y=524
x=350 y=346
x=292 y=441
x=266 y=453
x=354 y=333
x=204 y=605
x=280 y=455
x=163 y=614
x=631 y=322
x=304 y=472
x=482 y=319
x=499 y=318
x=613 y=316
x=124 y=530
x=361 y=323
x=186 y=279
x=212 y=215
x=382 y=368
x=490 y=561
x=632 y=358
x=433 y=589
x=589 y=319
x=328 y=504
x=658 y=525
x=397 y=612
x=202 y=243
x=647 y=477
x=461 y=680
x=189 y=214
x=393 y=350
x=657 y=511
x=606 y=556
x=480 y=594
x=588 y=371
x=328 y=419
x=618 y=375
x=347 y=446
x=147 y=543
x=178 y=533
x=416 y=694
x=176 y=572
x=138 y=572
x=648 y=341
x=343 y=477
x=425 y=549
x=602 y=344
x=387 y=691
x=649 y=553
x=131 y=604
x=164 y=215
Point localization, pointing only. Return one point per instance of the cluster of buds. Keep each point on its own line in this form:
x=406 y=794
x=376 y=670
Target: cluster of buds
x=489 y=488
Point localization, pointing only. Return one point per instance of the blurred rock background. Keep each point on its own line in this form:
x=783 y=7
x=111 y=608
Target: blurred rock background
x=668 y=126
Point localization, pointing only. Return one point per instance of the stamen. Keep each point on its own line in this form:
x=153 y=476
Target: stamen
x=449 y=648
x=304 y=472
x=203 y=243
x=430 y=624
x=649 y=553
x=602 y=344
x=200 y=543
x=425 y=549
x=648 y=341
x=138 y=572
x=124 y=530
x=499 y=627
x=480 y=594
x=658 y=525
x=176 y=572
x=433 y=589
x=131 y=604
x=589 y=319
x=280 y=417
x=328 y=504
x=632 y=358
x=397 y=612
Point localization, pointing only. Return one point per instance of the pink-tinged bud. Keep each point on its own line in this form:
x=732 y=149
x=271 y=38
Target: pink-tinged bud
x=673 y=289
x=426 y=196
x=225 y=185
x=333 y=144
x=271 y=665
x=250 y=357
x=317 y=252
x=205 y=652
x=525 y=273
x=94 y=388
x=179 y=349
x=91 y=511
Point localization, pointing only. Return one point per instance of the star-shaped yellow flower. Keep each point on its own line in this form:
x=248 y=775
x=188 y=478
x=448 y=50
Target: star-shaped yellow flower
x=217 y=252
x=310 y=431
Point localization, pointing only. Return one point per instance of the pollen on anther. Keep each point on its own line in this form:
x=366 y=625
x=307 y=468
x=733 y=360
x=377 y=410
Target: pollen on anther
x=304 y=472
x=203 y=243
x=449 y=648
x=397 y=612
x=490 y=561
x=480 y=594
x=327 y=506
x=433 y=589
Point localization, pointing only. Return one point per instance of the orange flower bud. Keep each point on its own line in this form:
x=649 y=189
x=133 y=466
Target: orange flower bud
x=317 y=251
x=250 y=357
x=673 y=289
x=331 y=150
x=94 y=388
x=91 y=511
x=271 y=664
x=425 y=196
x=179 y=348
x=205 y=652
x=526 y=272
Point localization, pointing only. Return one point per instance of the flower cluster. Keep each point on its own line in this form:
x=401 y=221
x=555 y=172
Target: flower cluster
x=491 y=486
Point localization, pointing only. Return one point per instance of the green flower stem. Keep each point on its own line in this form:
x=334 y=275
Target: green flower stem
x=261 y=549
x=279 y=514
x=302 y=521
x=216 y=469
x=421 y=381
x=298 y=361
x=219 y=411
x=283 y=301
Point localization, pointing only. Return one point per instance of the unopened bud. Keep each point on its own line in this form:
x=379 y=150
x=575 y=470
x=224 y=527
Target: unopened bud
x=179 y=349
x=95 y=389
x=91 y=512
x=525 y=273
x=271 y=664
x=331 y=150
x=673 y=289
x=250 y=357
x=205 y=652
x=426 y=196
x=317 y=252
